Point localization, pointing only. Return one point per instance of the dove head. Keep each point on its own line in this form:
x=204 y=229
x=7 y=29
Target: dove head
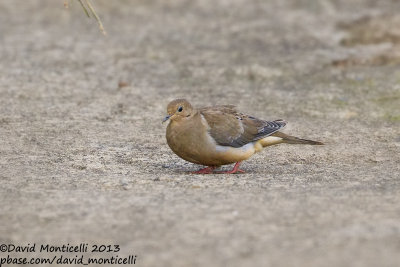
x=178 y=109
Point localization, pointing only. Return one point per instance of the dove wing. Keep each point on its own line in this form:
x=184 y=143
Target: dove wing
x=229 y=127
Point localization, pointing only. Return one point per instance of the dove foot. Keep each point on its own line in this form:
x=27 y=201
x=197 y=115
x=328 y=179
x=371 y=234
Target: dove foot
x=207 y=170
x=234 y=170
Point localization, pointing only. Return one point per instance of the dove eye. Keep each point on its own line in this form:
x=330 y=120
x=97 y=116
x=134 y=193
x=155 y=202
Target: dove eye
x=180 y=109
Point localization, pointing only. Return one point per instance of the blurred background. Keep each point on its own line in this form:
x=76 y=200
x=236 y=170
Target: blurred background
x=83 y=156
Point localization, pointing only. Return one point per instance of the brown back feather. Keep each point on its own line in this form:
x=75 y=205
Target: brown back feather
x=229 y=127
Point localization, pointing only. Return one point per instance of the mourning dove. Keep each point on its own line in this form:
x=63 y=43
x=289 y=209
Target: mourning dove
x=220 y=135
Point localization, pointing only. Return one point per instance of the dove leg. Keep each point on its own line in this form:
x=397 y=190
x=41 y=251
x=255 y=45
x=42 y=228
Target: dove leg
x=207 y=170
x=235 y=169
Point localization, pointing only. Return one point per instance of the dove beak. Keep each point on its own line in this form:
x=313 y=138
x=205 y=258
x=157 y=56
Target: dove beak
x=166 y=118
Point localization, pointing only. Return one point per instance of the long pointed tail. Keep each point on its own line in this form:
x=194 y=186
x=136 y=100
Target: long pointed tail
x=295 y=140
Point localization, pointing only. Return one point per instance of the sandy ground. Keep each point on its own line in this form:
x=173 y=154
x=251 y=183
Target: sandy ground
x=85 y=160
